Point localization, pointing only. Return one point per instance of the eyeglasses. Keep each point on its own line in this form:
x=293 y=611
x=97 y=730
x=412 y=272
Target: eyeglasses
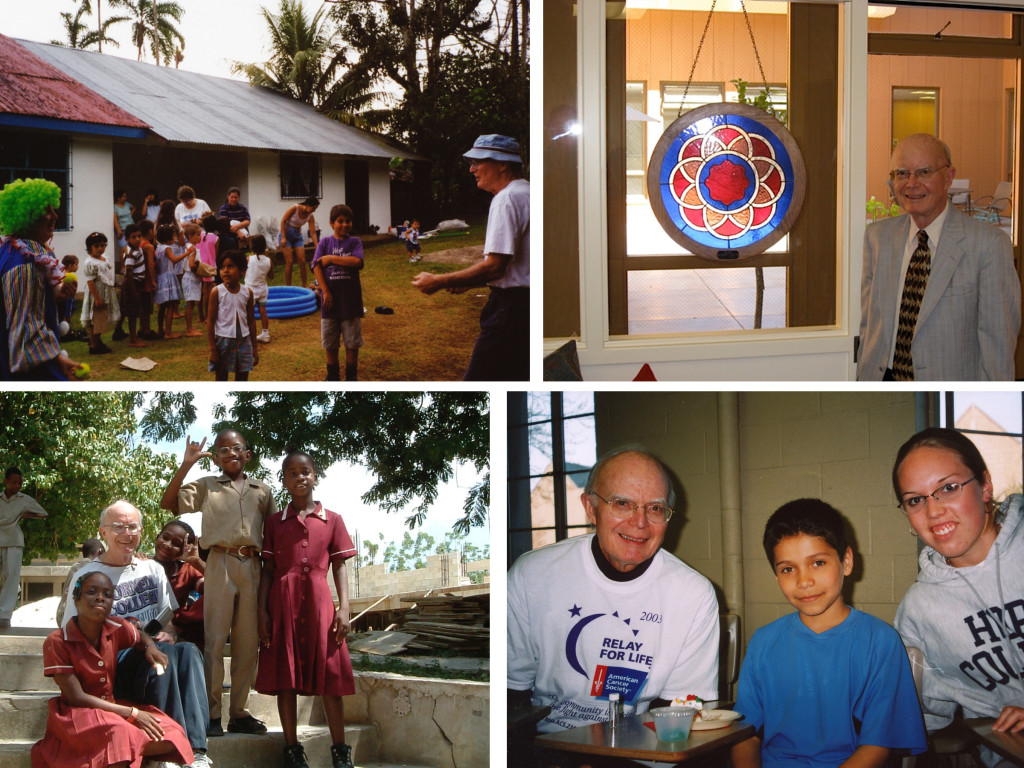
x=944 y=494
x=902 y=175
x=120 y=528
x=227 y=450
x=624 y=508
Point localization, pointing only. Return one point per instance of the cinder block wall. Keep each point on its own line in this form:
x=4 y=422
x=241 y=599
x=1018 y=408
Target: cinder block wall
x=835 y=446
x=838 y=447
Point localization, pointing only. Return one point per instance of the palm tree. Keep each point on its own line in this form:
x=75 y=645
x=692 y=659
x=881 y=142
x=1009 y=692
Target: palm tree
x=299 y=63
x=155 y=21
x=307 y=63
x=78 y=33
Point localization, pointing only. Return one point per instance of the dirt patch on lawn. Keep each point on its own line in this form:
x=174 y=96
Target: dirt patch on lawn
x=467 y=254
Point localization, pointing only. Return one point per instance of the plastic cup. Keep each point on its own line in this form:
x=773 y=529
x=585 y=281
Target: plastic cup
x=673 y=723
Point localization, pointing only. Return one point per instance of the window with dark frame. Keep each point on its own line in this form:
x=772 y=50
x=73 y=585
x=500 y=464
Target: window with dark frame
x=39 y=156
x=551 y=448
x=636 y=121
x=994 y=421
x=300 y=176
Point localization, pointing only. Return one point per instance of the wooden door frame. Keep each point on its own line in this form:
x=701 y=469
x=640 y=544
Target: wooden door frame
x=814 y=115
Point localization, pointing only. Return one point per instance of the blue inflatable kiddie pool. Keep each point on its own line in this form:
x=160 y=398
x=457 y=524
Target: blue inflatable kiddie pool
x=289 y=301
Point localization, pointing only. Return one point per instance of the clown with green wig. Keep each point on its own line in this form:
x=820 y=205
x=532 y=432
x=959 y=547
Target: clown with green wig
x=31 y=284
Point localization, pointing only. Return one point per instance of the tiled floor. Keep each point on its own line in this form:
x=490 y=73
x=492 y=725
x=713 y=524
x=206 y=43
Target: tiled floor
x=694 y=300
x=698 y=300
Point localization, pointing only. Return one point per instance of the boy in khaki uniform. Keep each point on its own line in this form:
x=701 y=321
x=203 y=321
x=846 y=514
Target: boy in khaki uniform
x=234 y=507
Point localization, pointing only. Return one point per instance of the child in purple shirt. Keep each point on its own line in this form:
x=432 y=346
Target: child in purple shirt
x=336 y=264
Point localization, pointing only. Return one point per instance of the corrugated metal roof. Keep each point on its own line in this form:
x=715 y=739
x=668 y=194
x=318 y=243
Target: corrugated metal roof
x=31 y=86
x=189 y=108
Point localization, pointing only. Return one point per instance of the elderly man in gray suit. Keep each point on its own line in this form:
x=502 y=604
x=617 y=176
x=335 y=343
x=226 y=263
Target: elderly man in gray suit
x=940 y=298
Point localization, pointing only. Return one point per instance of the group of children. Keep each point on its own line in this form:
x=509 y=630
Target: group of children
x=163 y=265
x=256 y=586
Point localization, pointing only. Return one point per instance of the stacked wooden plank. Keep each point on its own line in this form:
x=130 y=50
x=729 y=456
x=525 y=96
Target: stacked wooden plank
x=449 y=622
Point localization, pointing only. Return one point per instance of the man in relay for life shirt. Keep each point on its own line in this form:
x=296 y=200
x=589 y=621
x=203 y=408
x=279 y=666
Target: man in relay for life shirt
x=611 y=612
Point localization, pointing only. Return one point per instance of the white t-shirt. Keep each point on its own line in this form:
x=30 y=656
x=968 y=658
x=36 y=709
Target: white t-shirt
x=508 y=232
x=141 y=591
x=574 y=635
x=256 y=276
x=195 y=213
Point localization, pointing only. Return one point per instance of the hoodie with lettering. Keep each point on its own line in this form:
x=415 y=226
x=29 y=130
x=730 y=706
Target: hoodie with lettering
x=969 y=623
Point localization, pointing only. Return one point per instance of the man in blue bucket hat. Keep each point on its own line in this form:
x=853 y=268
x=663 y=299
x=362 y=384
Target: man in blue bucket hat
x=502 y=350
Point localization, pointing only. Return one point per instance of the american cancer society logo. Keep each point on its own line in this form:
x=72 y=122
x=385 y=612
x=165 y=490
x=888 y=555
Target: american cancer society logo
x=606 y=650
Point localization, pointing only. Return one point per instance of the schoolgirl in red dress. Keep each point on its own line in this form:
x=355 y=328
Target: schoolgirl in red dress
x=86 y=727
x=302 y=635
x=176 y=550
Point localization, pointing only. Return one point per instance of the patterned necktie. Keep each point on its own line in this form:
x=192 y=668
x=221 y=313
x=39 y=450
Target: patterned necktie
x=910 y=306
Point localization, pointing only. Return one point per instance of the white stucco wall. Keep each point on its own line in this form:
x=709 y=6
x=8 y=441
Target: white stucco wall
x=262 y=192
x=92 y=203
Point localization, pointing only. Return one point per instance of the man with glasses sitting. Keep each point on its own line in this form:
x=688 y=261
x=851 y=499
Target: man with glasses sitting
x=940 y=298
x=234 y=507
x=143 y=595
x=610 y=612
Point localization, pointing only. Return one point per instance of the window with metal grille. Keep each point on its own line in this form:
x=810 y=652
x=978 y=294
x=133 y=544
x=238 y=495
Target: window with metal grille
x=39 y=156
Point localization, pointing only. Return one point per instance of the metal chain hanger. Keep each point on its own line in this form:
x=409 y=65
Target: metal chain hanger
x=700 y=45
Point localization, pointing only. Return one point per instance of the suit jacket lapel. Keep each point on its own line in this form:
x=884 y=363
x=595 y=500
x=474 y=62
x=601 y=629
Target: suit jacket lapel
x=945 y=260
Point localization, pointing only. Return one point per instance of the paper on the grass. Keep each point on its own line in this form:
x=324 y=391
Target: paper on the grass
x=138 y=363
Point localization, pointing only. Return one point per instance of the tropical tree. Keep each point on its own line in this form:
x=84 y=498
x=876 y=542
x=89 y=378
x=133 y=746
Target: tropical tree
x=463 y=69
x=410 y=553
x=80 y=35
x=76 y=453
x=411 y=442
x=307 y=63
x=156 y=21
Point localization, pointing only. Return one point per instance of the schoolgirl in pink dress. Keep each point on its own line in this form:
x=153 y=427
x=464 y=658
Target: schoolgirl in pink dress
x=302 y=634
x=86 y=727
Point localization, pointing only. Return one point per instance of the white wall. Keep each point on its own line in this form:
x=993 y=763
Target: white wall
x=92 y=196
x=263 y=190
x=333 y=169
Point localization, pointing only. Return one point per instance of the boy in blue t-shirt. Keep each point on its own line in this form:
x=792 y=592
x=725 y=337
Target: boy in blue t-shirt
x=336 y=264
x=828 y=685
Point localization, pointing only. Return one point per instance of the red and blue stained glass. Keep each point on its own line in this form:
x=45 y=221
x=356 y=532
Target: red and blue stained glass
x=725 y=181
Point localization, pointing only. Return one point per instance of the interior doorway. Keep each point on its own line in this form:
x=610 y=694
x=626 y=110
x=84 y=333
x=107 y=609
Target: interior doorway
x=914 y=110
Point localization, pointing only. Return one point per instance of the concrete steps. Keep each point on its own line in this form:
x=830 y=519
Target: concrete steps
x=23 y=713
x=393 y=720
x=238 y=751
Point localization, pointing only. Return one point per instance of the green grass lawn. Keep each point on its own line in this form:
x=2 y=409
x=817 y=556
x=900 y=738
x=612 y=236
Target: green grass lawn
x=428 y=338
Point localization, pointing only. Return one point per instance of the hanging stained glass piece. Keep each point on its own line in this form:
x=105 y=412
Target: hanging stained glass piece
x=726 y=181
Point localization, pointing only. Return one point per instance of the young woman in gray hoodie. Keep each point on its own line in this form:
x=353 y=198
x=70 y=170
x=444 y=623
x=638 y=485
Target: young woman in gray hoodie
x=965 y=611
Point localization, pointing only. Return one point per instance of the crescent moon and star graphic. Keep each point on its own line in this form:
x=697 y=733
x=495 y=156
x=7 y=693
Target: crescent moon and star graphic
x=572 y=640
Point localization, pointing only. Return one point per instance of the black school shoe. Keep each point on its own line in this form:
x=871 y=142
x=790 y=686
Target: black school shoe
x=295 y=757
x=341 y=756
x=119 y=334
x=214 y=728
x=247 y=724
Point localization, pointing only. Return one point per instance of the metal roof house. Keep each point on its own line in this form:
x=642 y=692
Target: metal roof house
x=101 y=122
